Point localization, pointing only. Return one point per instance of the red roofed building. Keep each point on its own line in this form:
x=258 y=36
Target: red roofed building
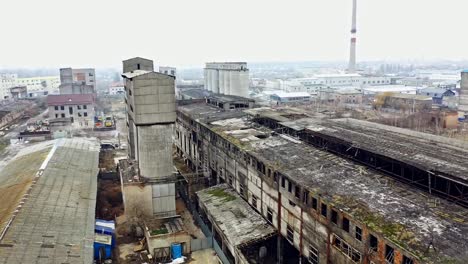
x=79 y=108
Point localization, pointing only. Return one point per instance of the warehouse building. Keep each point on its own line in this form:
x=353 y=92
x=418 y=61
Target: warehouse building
x=54 y=222
x=337 y=191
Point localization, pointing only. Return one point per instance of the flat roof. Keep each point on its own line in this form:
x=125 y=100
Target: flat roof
x=426 y=151
x=412 y=219
x=233 y=215
x=56 y=222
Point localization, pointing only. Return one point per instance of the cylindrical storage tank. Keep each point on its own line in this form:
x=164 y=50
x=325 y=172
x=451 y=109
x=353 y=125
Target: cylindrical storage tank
x=221 y=81
x=243 y=83
x=206 y=80
x=227 y=83
x=214 y=81
x=235 y=83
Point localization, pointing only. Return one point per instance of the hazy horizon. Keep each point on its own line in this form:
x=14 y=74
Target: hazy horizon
x=100 y=34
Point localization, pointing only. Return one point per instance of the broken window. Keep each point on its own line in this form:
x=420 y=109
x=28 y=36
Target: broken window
x=389 y=254
x=283 y=182
x=305 y=197
x=373 y=242
x=407 y=260
x=313 y=255
x=358 y=234
x=269 y=215
x=290 y=234
x=292 y=203
x=241 y=189
x=289 y=186
x=346 y=249
x=345 y=224
x=314 y=203
x=297 y=191
x=254 y=201
x=334 y=217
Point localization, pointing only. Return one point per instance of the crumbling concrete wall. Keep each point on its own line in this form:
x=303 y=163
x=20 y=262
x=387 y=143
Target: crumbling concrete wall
x=137 y=199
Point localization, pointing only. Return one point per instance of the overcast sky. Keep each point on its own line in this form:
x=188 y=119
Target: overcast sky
x=98 y=33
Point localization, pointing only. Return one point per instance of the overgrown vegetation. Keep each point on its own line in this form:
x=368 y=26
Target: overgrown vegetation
x=220 y=193
x=160 y=231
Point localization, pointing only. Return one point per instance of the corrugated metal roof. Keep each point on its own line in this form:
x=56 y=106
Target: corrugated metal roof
x=56 y=222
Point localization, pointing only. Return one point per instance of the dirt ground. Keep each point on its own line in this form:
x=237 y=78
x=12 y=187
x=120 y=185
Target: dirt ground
x=206 y=256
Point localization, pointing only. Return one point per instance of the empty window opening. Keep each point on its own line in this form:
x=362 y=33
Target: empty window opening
x=314 y=203
x=305 y=197
x=297 y=191
x=324 y=210
x=334 y=217
x=270 y=215
x=289 y=187
x=345 y=224
x=283 y=182
x=373 y=242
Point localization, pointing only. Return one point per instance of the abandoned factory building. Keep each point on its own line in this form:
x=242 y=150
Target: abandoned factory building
x=334 y=190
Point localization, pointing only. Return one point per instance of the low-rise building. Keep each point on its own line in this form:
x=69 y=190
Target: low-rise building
x=437 y=94
x=78 y=107
x=116 y=89
x=77 y=81
x=408 y=102
x=293 y=97
x=348 y=96
x=40 y=86
x=7 y=80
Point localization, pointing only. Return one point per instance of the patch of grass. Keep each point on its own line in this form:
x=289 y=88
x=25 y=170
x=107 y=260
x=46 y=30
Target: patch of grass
x=160 y=231
x=220 y=193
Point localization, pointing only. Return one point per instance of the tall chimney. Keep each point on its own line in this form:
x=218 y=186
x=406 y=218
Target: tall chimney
x=352 y=52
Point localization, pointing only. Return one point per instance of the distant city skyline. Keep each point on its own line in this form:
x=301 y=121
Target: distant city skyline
x=53 y=33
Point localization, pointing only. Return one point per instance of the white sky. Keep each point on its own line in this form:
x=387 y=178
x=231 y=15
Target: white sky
x=98 y=33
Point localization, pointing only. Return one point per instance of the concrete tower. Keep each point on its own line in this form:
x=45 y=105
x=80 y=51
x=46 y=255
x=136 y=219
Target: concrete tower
x=151 y=114
x=463 y=103
x=352 y=51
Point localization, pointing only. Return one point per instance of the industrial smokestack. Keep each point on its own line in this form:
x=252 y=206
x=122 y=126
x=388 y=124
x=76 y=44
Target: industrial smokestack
x=352 y=52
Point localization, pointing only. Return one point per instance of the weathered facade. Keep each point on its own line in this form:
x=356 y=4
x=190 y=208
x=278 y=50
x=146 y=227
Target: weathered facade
x=150 y=100
x=331 y=207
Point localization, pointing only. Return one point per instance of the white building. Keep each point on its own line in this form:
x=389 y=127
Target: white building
x=318 y=82
x=167 y=70
x=40 y=85
x=116 y=88
x=295 y=97
x=230 y=78
x=7 y=81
